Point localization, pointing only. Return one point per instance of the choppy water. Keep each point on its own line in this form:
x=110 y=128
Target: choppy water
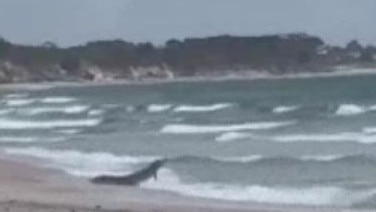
x=293 y=141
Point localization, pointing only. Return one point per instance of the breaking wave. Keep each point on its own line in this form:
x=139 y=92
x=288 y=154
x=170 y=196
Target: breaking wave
x=350 y=109
x=80 y=163
x=284 y=109
x=202 y=108
x=195 y=129
x=10 y=124
x=313 y=196
x=57 y=100
x=75 y=109
x=154 y=108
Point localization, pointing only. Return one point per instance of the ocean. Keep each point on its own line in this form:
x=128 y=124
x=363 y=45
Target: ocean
x=305 y=141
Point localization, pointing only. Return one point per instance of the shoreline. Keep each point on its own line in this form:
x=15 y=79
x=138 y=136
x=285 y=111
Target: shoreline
x=246 y=76
x=25 y=186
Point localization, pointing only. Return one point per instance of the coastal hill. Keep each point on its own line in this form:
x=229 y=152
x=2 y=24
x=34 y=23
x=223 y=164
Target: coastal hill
x=212 y=56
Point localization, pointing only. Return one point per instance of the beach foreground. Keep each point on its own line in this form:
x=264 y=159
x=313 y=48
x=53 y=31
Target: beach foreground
x=24 y=187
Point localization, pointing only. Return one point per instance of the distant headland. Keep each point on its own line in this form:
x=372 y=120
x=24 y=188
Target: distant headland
x=275 y=55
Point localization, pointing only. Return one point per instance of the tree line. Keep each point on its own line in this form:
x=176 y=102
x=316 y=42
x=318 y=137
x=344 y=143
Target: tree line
x=278 y=54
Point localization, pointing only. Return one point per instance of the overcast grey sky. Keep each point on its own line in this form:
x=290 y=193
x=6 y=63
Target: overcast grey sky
x=70 y=22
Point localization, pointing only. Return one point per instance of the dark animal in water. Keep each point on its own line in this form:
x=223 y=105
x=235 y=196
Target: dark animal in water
x=132 y=179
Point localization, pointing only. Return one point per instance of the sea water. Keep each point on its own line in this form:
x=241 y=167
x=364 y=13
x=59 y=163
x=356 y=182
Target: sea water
x=289 y=141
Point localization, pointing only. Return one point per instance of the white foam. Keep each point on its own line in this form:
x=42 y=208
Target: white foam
x=314 y=196
x=340 y=137
x=16 y=95
x=232 y=136
x=369 y=130
x=57 y=100
x=20 y=124
x=240 y=159
x=194 y=129
x=80 y=163
x=202 y=108
x=5 y=111
x=17 y=139
x=155 y=108
x=325 y=158
x=284 y=109
x=96 y=112
x=74 y=109
x=350 y=109
x=69 y=131
x=12 y=139
x=19 y=102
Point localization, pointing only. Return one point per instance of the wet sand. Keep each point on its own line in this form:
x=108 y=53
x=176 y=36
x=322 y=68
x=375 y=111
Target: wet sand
x=26 y=188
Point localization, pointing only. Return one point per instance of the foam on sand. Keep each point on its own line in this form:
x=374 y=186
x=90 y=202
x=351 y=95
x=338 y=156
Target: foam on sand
x=10 y=124
x=313 y=196
x=195 y=129
x=202 y=108
x=81 y=163
x=155 y=108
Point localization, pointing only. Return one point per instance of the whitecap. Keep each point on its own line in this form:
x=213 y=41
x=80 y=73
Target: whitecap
x=239 y=159
x=11 y=124
x=312 y=196
x=349 y=110
x=74 y=109
x=19 y=102
x=96 y=112
x=57 y=100
x=13 y=139
x=232 y=136
x=83 y=164
x=195 y=129
x=202 y=108
x=339 y=137
x=284 y=109
x=155 y=108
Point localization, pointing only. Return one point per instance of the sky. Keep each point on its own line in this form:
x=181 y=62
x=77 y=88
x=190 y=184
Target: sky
x=73 y=22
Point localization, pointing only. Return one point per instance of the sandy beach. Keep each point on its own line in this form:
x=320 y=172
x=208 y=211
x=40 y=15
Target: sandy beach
x=25 y=187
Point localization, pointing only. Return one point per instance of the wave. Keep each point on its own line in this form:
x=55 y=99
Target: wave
x=232 y=136
x=154 y=108
x=350 y=109
x=194 y=129
x=16 y=95
x=96 y=112
x=5 y=111
x=69 y=131
x=83 y=164
x=284 y=109
x=19 y=102
x=202 y=108
x=57 y=100
x=9 y=124
x=312 y=196
x=238 y=159
x=29 y=139
x=278 y=160
x=340 y=137
x=75 y=109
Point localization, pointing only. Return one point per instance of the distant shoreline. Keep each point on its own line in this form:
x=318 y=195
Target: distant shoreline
x=247 y=76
